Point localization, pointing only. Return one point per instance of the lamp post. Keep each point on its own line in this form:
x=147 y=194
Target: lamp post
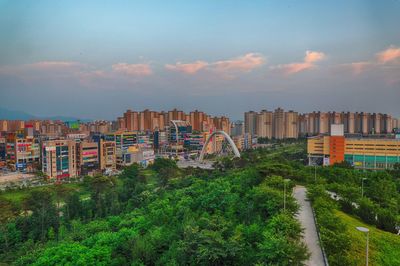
x=284 y=193
x=366 y=231
x=315 y=172
x=362 y=187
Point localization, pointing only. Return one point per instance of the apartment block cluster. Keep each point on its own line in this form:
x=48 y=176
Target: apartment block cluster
x=159 y=121
x=69 y=149
x=193 y=129
x=280 y=124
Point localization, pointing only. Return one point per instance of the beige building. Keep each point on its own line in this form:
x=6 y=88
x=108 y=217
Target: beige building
x=250 y=123
x=291 y=122
x=107 y=156
x=264 y=124
x=59 y=158
x=279 y=124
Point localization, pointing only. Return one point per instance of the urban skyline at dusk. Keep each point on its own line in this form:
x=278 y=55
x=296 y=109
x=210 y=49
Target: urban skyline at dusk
x=200 y=132
x=95 y=61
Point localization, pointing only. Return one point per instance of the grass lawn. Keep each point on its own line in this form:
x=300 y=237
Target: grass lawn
x=18 y=194
x=150 y=175
x=384 y=247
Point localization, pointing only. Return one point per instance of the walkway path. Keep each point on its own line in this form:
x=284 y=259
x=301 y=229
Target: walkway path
x=310 y=237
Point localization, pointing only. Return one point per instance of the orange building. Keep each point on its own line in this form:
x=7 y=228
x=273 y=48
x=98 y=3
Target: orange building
x=336 y=149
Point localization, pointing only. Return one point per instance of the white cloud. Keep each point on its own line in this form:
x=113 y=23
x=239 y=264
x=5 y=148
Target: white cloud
x=309 y=61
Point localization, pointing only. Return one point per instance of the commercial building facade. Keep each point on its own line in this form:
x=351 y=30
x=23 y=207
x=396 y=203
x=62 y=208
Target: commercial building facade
x=107 y=155
x=22 y=151
x=370 y=153
x=87 y=158
x=59 y=159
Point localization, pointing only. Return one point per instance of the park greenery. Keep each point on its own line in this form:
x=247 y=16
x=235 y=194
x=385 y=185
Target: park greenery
x=162 y=215
x=232 y=215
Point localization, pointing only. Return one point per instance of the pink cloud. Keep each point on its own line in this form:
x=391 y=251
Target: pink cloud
x=245 y=63
x=384 y=57
x=388 y=55
x=359 y=67
x=295 y=67
x=310 y=59
x=189 y=68
x=132 y=69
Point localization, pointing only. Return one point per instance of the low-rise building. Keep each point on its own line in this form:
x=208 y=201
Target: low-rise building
x=107 y=155
x=374 y=153
x=59 y=159
x=87 y=158
x=22 y=152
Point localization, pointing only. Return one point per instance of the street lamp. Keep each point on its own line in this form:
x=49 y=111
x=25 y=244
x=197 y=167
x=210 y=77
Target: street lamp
x=284 y=192
x=315 y=172
x=366 y=231
x=362 y=187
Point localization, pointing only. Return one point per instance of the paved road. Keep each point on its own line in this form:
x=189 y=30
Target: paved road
x=306 y=219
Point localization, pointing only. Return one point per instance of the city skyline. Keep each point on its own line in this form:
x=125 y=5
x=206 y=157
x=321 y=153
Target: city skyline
x=95 y=61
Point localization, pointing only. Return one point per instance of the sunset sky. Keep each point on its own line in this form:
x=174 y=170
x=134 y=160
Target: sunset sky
x=95 y=59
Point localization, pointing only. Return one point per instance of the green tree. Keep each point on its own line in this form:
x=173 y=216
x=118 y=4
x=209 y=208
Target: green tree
x=367 y=210
x=44 y=213
x=73 y=207
x=102 y=189
x=7 y=213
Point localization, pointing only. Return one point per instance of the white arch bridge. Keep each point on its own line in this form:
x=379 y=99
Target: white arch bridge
x=200 y=162
x=226 y=136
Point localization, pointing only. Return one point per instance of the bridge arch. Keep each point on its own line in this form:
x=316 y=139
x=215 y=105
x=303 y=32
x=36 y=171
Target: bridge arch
x=174 y=123
x=226 y=136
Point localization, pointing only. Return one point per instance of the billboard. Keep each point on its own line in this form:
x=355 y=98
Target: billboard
x=73 y=124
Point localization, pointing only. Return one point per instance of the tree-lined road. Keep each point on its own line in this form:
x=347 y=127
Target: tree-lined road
x=310 y=236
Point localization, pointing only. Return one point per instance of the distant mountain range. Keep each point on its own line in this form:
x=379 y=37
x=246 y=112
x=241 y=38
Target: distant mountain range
x=20 y=115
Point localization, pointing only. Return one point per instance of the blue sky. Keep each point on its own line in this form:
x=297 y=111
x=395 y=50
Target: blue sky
x=95 y=59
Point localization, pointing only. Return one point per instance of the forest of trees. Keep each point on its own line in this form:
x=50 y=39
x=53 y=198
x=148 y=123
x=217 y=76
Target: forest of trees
x=157 y=216
x=163 y=215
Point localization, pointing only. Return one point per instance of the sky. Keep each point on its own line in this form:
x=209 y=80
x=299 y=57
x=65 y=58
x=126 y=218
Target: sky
x=95 y=59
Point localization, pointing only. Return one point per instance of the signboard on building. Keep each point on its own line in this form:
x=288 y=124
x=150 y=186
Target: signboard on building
x=73 y=124
x=51 y=148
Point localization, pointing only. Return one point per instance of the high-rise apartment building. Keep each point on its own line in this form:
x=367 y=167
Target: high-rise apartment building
x=279 y=124
x=349 y=122
x=148 y=120
x=250 y=123
x=237 y=128
x=323 y=122
x=196 y=120
x=291 y=128
x=264 y=121
x=131 y=120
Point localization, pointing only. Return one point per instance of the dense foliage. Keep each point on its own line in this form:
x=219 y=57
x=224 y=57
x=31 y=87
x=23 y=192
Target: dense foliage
x=232 y=215
x=158 y=216
x=373 y=196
